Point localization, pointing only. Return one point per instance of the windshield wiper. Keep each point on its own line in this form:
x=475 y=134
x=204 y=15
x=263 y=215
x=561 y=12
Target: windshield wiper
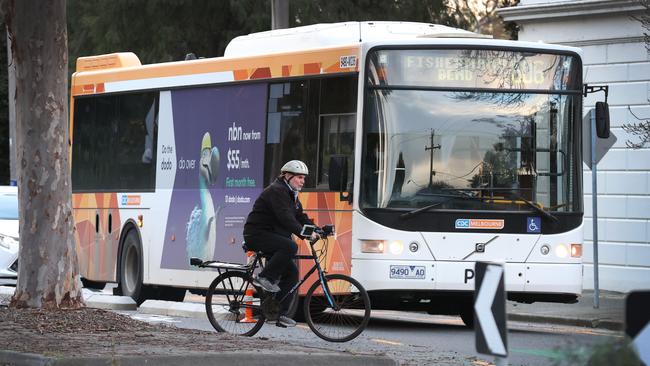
x=434 y=205
x=535 y=207
x=516 y=195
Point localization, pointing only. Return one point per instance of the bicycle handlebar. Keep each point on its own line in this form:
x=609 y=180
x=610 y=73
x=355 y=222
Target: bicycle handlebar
x=324 y=232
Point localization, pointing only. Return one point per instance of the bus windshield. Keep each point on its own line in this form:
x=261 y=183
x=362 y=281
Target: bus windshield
x=471 y=130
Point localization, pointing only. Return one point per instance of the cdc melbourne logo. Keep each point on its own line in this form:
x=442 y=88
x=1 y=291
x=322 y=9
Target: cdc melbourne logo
x=462 y=223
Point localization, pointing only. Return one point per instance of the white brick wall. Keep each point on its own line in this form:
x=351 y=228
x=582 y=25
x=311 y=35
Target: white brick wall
x=613 y=54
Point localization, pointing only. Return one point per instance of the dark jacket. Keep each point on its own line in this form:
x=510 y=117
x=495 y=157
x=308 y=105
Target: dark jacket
x=277 y=210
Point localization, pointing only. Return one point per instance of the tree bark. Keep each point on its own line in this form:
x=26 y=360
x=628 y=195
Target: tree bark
x=48 y=274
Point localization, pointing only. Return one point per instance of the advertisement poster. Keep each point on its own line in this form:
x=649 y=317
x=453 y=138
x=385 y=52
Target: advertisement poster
x=219 y=137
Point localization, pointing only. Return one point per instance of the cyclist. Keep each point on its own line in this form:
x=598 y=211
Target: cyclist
x=277 y=213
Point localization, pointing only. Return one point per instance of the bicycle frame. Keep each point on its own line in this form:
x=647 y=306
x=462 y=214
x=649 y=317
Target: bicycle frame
x=257 y=263
x=321 y=278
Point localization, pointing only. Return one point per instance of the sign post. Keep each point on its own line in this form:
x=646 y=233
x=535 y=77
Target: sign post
x=490 y=311
x=593 y=150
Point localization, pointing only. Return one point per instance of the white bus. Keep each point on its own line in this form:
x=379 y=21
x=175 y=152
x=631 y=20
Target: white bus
x=430 y=148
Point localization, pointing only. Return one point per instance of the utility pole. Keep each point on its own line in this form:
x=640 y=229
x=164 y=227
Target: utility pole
x=279 y=14
x=431 y=148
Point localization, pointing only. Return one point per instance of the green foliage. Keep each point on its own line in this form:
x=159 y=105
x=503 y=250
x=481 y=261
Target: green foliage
x=305 y=12
x=480 y=16
x=161 y=31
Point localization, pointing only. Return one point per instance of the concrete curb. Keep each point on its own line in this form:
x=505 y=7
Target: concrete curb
x=171 y=308
x=587 y=323
x=216 y=359
x=110 y=302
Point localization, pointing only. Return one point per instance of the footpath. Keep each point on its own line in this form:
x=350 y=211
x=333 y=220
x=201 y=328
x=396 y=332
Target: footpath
x=610 y=315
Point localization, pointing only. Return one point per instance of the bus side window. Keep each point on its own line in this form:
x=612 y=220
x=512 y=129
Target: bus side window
x=291 y=127
x=114 y=143
x=336 y=138
x=310 y=120
x=337 y=124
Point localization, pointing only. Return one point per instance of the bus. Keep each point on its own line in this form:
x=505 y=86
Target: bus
x=430 y=148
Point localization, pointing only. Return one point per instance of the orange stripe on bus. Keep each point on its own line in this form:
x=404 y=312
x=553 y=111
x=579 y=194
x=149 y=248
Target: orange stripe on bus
x=286 y=70
x=240 y=74
x=261 y=73
x=312 y=68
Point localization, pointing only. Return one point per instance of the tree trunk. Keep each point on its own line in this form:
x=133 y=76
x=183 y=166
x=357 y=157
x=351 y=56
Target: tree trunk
x=48 y=274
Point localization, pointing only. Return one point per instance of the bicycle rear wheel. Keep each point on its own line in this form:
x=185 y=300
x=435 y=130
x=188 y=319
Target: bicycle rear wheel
x=347 y=318
x=229 y=308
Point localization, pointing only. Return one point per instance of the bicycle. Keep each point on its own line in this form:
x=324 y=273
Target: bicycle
x=336 y=306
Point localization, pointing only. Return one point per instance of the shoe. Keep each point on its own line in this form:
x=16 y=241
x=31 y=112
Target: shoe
x=286 y=322
x=265 y=284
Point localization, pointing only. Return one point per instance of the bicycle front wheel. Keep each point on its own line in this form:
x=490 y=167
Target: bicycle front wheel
x=230 y=304
x=343 y=314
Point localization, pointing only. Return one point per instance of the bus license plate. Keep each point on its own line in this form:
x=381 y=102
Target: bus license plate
x=407 y=272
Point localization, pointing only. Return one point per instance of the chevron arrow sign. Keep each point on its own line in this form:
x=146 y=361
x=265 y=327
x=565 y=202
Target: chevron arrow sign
x=490 y=309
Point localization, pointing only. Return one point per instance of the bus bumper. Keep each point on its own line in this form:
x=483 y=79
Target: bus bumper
x=543 y=278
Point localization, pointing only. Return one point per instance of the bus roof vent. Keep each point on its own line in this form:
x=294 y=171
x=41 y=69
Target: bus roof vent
x=109 y=61
x=337 y=34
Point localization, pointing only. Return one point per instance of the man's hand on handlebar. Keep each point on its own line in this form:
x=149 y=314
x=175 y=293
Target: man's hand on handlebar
x=314 y=236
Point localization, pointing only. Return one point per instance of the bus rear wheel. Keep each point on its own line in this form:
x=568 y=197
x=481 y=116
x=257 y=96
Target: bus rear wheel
x=131 y=268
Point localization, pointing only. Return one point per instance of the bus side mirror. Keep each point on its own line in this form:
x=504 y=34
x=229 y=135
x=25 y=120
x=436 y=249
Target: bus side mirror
x=338 y=175
x=602 y=120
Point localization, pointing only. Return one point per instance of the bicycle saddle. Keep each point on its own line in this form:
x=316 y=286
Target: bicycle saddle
x=247 y=249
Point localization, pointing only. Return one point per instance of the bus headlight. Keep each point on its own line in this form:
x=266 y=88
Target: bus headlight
x=561 y=251
x=576 y=250
x=372 y=246
x=396 y=247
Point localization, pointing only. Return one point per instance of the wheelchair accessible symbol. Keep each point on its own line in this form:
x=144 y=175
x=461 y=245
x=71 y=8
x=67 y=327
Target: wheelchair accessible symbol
x=533 y=225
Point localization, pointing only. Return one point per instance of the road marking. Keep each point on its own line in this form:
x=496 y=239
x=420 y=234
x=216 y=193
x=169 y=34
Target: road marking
x=555 y=355
x=482 y=363
x=384 y=341
x=154 y=318
x=561 y=329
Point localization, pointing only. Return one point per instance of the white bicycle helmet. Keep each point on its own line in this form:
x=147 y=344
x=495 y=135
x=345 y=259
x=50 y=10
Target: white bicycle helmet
x=295 y=167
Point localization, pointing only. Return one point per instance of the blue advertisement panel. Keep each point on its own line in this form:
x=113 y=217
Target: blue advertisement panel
x=219 y=141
